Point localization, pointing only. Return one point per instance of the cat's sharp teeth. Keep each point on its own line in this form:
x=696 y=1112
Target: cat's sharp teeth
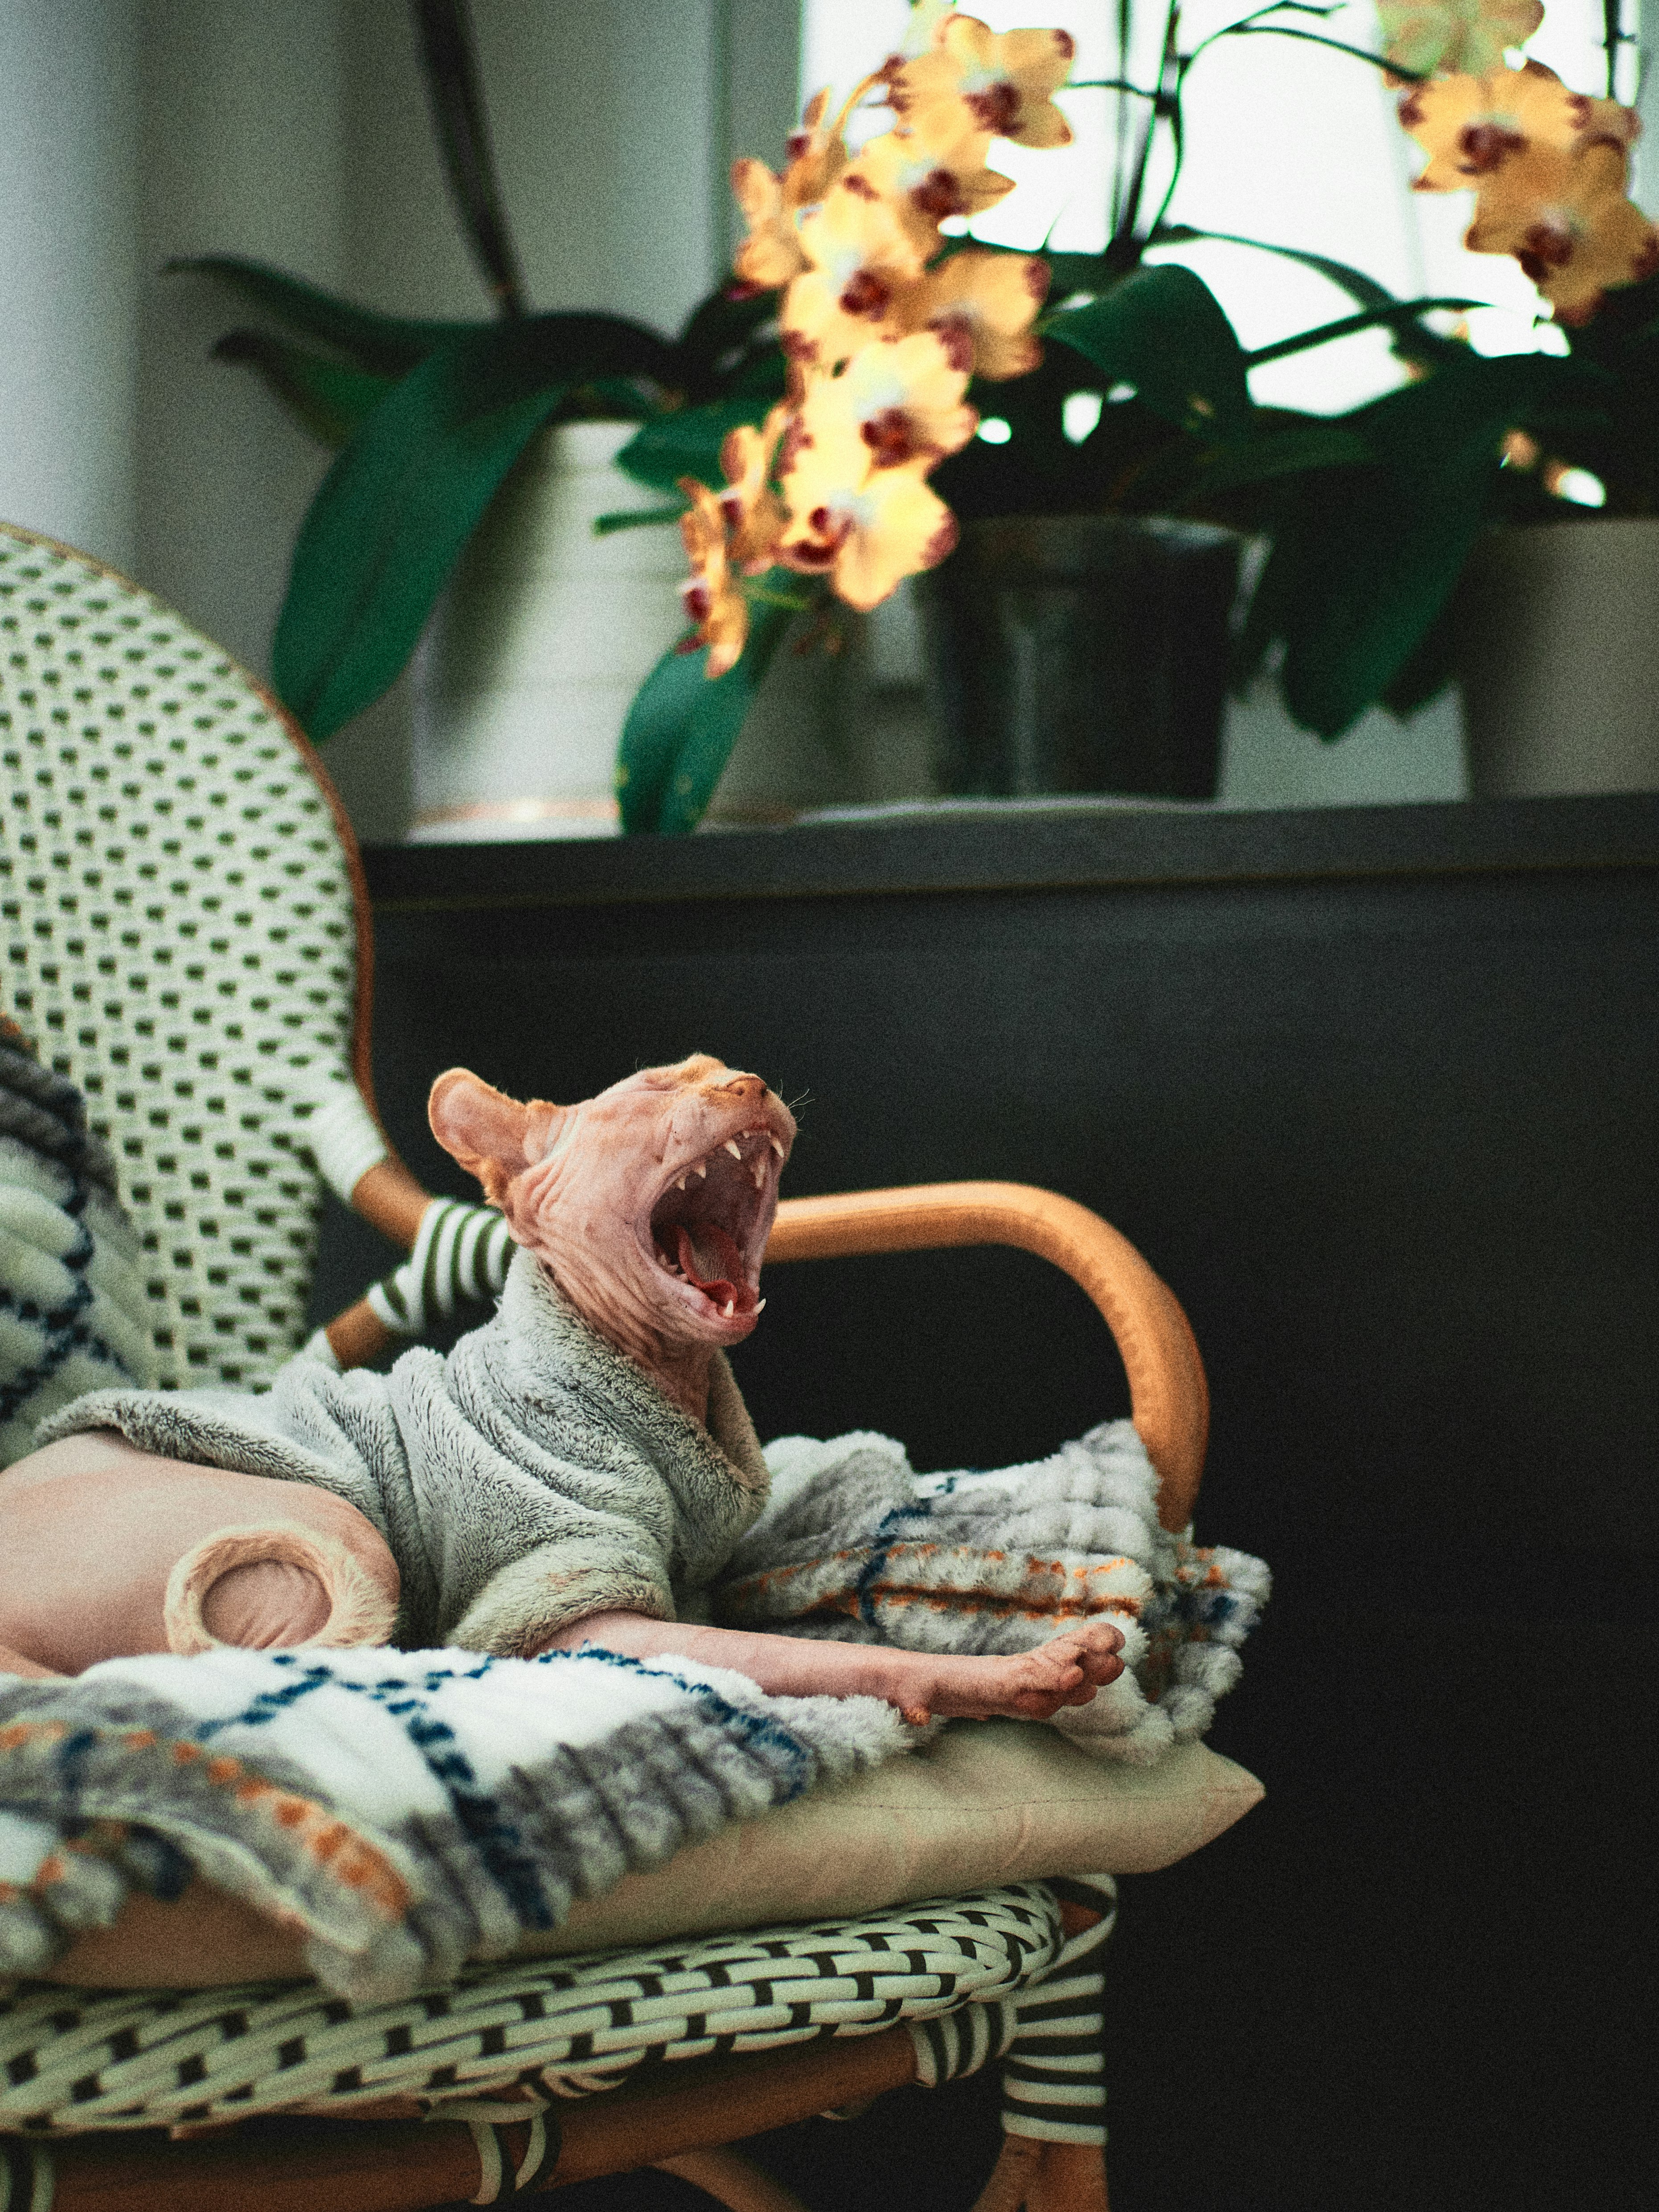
x=777 y=1146
x=725 y=1310
x=732 y=1147
x=700 y=1168
x=680 y=1185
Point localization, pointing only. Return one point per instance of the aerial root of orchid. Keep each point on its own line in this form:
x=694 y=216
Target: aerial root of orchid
x=1547 y=166
x=883 y=319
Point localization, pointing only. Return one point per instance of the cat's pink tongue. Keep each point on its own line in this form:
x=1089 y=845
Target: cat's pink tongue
x=728 y=1288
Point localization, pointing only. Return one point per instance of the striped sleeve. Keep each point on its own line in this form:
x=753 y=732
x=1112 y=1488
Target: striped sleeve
x=461 y=1252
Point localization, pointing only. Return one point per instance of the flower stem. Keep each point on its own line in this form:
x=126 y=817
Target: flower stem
x=838 y=129
x=1317 y=38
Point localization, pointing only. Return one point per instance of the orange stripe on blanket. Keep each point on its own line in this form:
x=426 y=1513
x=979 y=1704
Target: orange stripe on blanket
x=1073 y=1600
x=349 y=1857
x=902 y=1595
x=25 y=1732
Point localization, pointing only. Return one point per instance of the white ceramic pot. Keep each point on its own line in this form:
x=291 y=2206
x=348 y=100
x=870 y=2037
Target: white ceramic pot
x=1557 y=627
x=529 y=663
x=796 y=749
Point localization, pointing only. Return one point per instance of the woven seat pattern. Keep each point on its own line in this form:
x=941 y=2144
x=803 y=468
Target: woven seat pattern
x=72 y=2060
x=180 y=931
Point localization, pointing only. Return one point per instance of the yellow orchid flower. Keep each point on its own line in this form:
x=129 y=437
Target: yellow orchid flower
x=982 y=304
x=772 y=205
x=900 y=398
x=1578 y=240
x=713 y=604
x=925 y=26
x=754 y=514
x=880 y=346
x=818 y=154
x=771 y=253
x=864 y=527
x=1471 y=126
x=973 y=78
x=863 y=260
x=927 y=183
x=1455 y=36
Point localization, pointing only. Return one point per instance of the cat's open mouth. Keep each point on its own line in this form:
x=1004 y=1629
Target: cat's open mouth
x=710 y=1225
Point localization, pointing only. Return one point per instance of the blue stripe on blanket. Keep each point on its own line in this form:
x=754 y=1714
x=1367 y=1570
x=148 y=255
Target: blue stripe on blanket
x=408 y=1810
x=755 y=1728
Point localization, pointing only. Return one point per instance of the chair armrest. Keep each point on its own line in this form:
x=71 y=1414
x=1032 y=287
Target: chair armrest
x=390 y=1200
x=1168 y=1399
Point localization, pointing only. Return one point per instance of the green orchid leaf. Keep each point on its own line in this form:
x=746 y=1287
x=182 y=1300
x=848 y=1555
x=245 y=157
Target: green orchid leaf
x=327 y=397
x=1412 y=341
x=1078 y=272
x=1365 y=291
x=1187 y=477
x=687 y=443
x=611 y=399
x=1162 y=330
x=728 y=316
x=1363 y=563
x=1623 y=329
x=722 y=350
x=1427 y=670
x=762 y=375
x=388 y=523
x=381 y=345
x=681 y=729
x=635 y=518
x=1402 y=312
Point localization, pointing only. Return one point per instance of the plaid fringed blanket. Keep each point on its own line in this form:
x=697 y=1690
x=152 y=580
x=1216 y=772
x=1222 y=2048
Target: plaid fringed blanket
x=406 y=1811
x=856 y=1545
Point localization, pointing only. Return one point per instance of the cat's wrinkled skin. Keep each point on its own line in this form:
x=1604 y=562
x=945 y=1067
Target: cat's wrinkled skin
x=651 y=1204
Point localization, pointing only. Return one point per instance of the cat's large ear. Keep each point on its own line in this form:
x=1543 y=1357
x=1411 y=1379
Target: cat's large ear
x=493 y=1137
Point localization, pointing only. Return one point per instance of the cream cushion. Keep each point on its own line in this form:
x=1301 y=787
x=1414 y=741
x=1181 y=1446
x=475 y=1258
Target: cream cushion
x=986 y=1802
x=992 y=1801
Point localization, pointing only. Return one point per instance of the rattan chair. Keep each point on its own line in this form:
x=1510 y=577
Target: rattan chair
x=186 y=938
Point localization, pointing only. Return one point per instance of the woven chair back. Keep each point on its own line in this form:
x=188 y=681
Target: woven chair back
x=183 y=919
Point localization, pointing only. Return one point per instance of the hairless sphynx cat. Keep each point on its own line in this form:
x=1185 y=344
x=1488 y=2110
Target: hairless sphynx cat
x=557 y=1480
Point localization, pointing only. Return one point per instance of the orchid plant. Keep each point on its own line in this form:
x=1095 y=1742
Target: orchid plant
x=893 y=322
x=882 y=325
x=1358 y=593
x=812 y=428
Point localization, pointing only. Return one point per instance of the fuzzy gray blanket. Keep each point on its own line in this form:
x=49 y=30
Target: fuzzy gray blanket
x=533 y=1476
x=404 y=1811
x=854 y=1544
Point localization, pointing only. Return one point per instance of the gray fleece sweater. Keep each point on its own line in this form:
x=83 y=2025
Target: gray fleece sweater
x=533 y=1476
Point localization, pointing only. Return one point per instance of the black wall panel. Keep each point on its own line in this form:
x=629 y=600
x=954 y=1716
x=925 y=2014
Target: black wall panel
x=1375 y=1092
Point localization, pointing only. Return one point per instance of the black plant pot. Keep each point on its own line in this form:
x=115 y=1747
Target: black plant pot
x=1080 y=652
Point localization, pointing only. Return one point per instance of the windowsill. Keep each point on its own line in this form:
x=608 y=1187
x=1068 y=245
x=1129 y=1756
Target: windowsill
x=1028 y=845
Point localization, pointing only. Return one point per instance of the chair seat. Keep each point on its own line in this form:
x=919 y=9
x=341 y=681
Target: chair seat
x=74 y=2061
